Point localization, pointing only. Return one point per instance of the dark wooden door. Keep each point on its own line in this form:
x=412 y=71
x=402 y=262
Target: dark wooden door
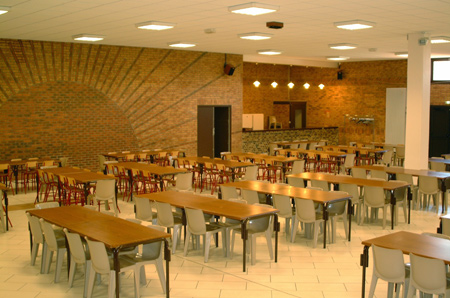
x=222 y=128
x=439 y=130
x=297 y=117
x=205 y=131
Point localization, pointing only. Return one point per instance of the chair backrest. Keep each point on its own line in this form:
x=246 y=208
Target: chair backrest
x=152 y=251
x=351 y=189
x=388 y=264
x=106 y=189
x=428 y=184
x=165 y=215
x=379 y=174
x=76 y=247
x=402 y=192
x=374 y=196
x=35 y=227
x=251 y=173
x=251 y=196
x=99 y=256
x=387 y=157
x=101 y=162
x=338 y=208
x=359 y=173
x=298 y=166
x=404 y=177
x=305 y=210
x=283 y=203
x=437 y=166
x=195 y=221
x=428 y=275
x=134 y=220
x=184 y=181
x=320 y=183
x=297 y=182
x=400 y=151
x=143 y=209
x=228 y=192
x=349 y=160
x=260 y=224
x=49 y=235
x=303 y=145
x=90 y=207
x=47 y=205
x=63 y=161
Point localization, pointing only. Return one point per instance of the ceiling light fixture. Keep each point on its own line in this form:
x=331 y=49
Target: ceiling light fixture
x=179 y=44
x=402 y=54
x=354 y=25
x=337 y=58
x=154 y=25
x=255 y=36
x=88 y=37
x=4 y=9
x=269 y=52
x=291 y=85
x=256 y=83
x=343 y=46
x=306 y=86
x=321 y=86
x=274 y=84
x=440 y=39
x=253 y=8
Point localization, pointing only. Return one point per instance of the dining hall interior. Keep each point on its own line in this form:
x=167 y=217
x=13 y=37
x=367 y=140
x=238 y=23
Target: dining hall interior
x=132 y=107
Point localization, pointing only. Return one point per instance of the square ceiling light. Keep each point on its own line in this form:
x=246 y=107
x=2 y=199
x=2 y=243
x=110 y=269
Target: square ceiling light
x=402 y=54
x=337 y=58
x=255 y=36
x=343 y=46
x=181 y=44
x=4 y=9
x=354 y=25
x=155 y=25
x=253 y=8
x=440 y=39
x=88 y=37
x=269 y=52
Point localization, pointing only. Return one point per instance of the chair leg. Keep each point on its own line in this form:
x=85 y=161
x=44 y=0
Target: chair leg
x=59 y=261
x=294 y=230
x=91 y=280
x=160 y=270
x=112 y=284
x=186 y=243
x=73 y=267
x=268 y=235
x=373 y=284
x=87 y=274
x=34 y=251
x=206 y=245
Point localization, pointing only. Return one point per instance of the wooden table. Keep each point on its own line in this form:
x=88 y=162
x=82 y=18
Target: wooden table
x=115 y=233
x=228 y=209
x=5 y=189
x=375 y=151
x=322 y=197
x=444 y=161
x=151 y=154
x=57 y=172
x=442 y=176
x=231 y=164
x=407 y=242
x=390 y=186
x=287 y=143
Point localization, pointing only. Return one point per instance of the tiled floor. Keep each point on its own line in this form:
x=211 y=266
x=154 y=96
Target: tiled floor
x=301 y=271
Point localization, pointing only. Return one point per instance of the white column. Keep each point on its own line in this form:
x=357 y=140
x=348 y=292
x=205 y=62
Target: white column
x=418 y=102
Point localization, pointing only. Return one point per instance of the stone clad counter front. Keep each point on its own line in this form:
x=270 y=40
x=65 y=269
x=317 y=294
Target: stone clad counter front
x=258 y=141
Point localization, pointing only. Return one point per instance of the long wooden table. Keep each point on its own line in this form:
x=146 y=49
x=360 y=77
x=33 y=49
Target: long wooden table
x=115 y=233
x=231 y=164
x=150 y=153
x=438 y=160
x=322 y=197
x=232 y=210
x=390 y=186
x=407 y=242
x=442 y=176
x=5 y=189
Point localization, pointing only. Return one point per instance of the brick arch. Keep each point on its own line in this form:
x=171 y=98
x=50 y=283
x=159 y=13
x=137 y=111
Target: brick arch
x=63 y=119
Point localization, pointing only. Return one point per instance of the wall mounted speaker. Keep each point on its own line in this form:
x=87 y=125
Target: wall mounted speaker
x=228 y=69
x=339 y=75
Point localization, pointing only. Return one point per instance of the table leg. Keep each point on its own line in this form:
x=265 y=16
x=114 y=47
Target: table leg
x=276 y=225
x=444 y=189
x=325 y=218
x=117 y=270
x=350 y=212
x=167 y=258
x=244 y=237
x=393 y=202
x=68 y=255
x=364 y=262
x=409 y=204
x=37 y=187
x=130 y=182
x=86 y=193
x=6 y=209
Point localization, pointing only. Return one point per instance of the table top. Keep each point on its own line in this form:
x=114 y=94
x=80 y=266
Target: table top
x=387 y=185
x=400 y=170
x=226 y=163
x=446 y=161
x=89 y=177
x=295 y=142
x=371 y=150
x=24 y=161
x=318 y=152
x=63 y=170
x=156 y=170
x=249 y=155
x=114 y=232
x=147 y=153
x=318 y=196
x=212 y=206
x=421 y=245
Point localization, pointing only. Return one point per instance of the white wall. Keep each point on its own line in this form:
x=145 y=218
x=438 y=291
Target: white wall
x=395 y=116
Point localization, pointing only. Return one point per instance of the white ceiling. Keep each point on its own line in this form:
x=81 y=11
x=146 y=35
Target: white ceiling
x=308 y=25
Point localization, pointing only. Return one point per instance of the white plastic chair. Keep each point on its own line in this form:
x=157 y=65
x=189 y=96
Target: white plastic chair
x=144 y=210
x=256 y=227
x=297 y=182
x=379 y=174
x=359 y=173
x=38 y=238
x=428 y=186
x=53 y=244
x=352 y=189
x=306 y=213
x=414 y=187
x=348 y=163
x=298 y=167
x=196 y=226
x=374 y=197
x=106 y=192
x=320 y=184
x=437 y=166
x=251 y=196
x=166 y=219
x=251 y=174
x=183 y=182
x=46 y=205
x=335 y=210
x=388 y=265
x=102 y=264
x=228 y=192
x=387 y=158
x=283 y=203
x=78 y=256
x=428 y=276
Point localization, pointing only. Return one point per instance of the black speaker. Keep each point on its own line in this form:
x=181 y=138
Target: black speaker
x=228 y=69
x=339 y=75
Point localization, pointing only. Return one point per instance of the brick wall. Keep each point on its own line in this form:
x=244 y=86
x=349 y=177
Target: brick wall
x=79 y=100
x=362 y=91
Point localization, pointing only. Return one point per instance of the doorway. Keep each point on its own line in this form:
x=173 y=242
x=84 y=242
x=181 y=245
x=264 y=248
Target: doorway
x=296 y=115
x=213 y=130
x=439 y=131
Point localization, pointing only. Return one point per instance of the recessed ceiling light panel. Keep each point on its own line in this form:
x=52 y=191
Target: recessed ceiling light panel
x=337 y=58
x=255 y=36
x=4 y=9
x=343 y=46
x=401 y=54
x=155 y=25
x=253 y=8
x=440 y=39
x=181 y=44
x=88 y=37
x=269 y=52
x=354 y=25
